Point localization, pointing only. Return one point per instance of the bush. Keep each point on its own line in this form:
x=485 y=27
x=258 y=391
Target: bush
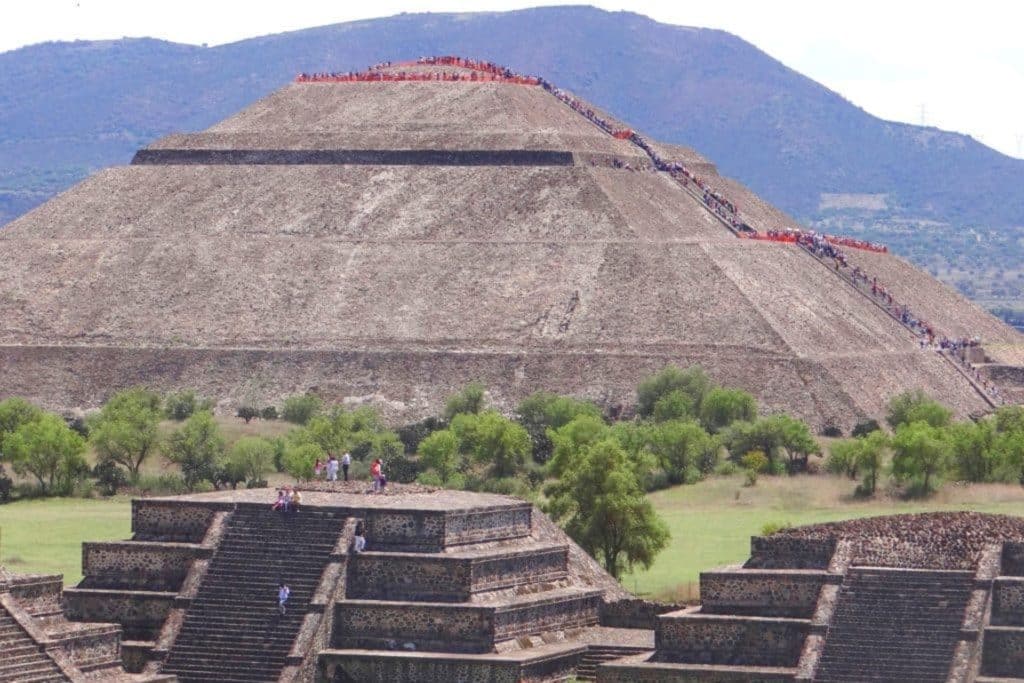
x=775 y=527
x=692 y=383
x=430 y=478
x=109 y=477
x=832 y=430
x=916 y=406
x=6 y=484
x=727 y=468
x=412 y=434
x=249 y=460
x=299 y=409
x=865 y=427
x=401 y=469
x=180 y=405
x=299 y=461
x=164 y=484
x=269 y=413
x=721 y=407
x=247 y=413
x=469 y=400
x=755 y=461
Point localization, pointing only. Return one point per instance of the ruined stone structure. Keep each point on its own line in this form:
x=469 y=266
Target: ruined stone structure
x=910 y=598
x=453 y=586
x=38 y=644
x=481 y=588
x=388 y=242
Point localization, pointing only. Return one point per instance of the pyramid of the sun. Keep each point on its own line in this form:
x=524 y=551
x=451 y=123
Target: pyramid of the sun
x=391 y=241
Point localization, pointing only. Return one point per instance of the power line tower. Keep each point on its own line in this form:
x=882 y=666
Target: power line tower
x=924 y=113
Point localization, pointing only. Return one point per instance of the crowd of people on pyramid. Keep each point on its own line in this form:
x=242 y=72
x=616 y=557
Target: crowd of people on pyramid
x=820 y=245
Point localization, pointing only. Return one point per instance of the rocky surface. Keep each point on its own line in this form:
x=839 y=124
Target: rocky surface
x=939 y=540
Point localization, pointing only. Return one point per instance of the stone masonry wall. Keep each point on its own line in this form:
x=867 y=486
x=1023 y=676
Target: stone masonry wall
x=141 y=614
x=475 y=526
x=159 y=520
x=1003 y=653
x=454 y=628
x=138 y=564
x=1008 y=601
x=1013 y=559
x=516 y=621
x=775 y=593
x=778 y=642
x=781 y=552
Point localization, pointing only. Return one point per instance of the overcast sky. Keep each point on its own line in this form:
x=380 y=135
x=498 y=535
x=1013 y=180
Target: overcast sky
x=955 y=65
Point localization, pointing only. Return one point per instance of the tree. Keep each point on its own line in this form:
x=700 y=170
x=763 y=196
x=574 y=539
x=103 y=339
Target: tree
x=797 y=440
x=675 y=405
x=721 y=407
x=300 y=460
x=197 y=447
x=247 y=413
x=499 y=442
x=250 y=459
x=914 y=406
x=468 y=401
x=180 y=405
x=773 y=436
x=865 y=427
x=15 y=412
x=1008 y=419
x=440 y=452
x=684 y=450
x=269 y=413
x=125 y=430
x=542 y=411
x=47 y=449
x=842 y=458
x=870 y=460
x=972 y=446
x=602 y=507
x=571 y=440
x=692 y=383
x=920 y=454
x=300 y=408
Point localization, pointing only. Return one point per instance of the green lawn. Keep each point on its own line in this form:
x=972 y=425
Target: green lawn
x=712 y=522
x=46 y=536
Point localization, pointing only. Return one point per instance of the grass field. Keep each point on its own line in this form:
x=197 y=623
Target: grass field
x=711 y=524
x=46 y=536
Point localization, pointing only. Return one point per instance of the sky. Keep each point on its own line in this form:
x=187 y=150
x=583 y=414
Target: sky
x=955 y=65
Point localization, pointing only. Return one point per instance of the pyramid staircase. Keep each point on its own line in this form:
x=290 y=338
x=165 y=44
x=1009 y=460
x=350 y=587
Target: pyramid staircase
x=232 y=630
x=905 y=622
x=21 y=659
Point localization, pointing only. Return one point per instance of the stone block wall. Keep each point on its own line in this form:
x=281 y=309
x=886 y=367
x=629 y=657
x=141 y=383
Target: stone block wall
x=765 y=593
x=635 y=613
x=452 y=628
x=489 y=524
x=174 y=521
x=1008 y=601
x=138 y=564
x=1003 y=654
x=553 y=613
x=752 y=641
x=447 y=578
x=1013 y=559
x=141 y=614
x=782 y=552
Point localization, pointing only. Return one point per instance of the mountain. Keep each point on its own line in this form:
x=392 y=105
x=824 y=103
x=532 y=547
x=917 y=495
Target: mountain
x=67 y=109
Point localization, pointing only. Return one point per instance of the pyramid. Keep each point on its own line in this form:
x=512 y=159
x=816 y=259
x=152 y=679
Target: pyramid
x=388 y=238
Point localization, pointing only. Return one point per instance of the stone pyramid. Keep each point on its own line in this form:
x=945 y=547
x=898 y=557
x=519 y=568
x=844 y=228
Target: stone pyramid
x=389 y=240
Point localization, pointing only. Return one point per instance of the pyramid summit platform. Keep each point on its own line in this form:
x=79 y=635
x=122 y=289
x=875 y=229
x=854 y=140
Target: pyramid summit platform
x=387 y=241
